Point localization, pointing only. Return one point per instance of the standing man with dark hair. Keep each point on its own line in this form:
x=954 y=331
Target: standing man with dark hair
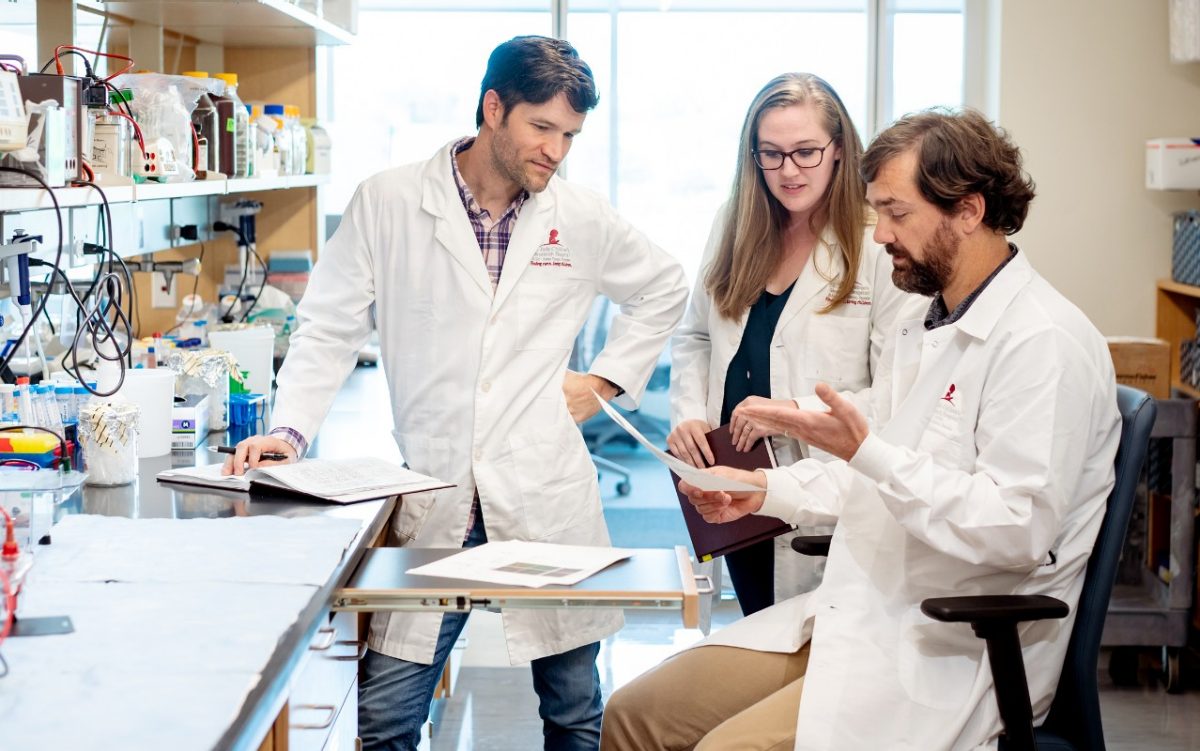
x=985 y=470
x=483 y=267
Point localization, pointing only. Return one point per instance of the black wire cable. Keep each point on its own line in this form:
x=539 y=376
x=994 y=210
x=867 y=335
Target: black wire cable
x=87 y=64
x=225 y=227
x=101 y=331
x=195 y=287
x=57 y=259
x=262 y=285
x=134 y=316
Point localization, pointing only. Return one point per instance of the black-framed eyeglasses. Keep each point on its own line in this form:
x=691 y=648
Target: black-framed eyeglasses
x=804 y=158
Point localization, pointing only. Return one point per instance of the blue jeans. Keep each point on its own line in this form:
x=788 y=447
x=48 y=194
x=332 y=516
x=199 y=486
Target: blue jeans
x=394 y=695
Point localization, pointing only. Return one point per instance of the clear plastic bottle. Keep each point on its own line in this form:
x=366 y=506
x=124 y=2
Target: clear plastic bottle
x=266 y=156
x=204 y=120
x=82 y=397
x=64 y=397
x=283 y=138
x=200 y=331
x=50 y=407
x=37 y=398
x=243 y=138
x=299 y=140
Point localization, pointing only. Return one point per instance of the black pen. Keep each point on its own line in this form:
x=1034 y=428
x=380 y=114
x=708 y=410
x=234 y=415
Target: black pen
x=271 y=456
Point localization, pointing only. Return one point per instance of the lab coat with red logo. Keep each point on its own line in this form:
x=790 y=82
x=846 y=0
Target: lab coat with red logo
x=986 y=472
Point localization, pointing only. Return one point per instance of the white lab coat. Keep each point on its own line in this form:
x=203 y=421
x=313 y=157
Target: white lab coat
x=990 y=477
x=841 y=348
x=476 y=378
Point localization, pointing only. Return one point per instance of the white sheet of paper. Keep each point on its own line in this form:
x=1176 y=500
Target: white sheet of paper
x=525 y=564
x=149 y=665
x=699 y=478
x=342 y=477
x=256 y=549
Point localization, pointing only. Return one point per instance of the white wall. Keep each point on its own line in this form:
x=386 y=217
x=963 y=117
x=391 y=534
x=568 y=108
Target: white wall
x=1082 y=85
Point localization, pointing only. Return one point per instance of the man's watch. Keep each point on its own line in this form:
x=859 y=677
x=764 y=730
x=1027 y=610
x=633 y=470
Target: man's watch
x=615 y=386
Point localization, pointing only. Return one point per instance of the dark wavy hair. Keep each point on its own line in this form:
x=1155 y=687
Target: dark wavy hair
x=958 y=154
x=535 y=69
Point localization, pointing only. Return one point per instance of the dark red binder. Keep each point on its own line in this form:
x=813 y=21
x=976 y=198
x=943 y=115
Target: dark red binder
x=712 y=540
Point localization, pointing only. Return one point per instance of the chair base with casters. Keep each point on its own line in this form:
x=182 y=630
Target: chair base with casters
x=624 y=485
x=1074 y=719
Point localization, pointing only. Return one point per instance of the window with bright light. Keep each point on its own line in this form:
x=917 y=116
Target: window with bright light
x=675 y=79
x=410 y=84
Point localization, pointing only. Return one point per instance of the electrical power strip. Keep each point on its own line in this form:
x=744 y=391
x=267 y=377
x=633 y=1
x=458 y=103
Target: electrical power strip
x=14 y=124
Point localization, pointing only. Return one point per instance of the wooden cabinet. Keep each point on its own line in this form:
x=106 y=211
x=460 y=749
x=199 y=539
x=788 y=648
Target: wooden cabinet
x=1175 y=309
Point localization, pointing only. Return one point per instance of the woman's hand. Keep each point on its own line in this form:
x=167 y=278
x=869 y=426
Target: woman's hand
x=689 y=442
x=746 y=432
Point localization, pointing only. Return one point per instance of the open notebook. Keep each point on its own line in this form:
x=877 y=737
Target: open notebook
x=335 y=480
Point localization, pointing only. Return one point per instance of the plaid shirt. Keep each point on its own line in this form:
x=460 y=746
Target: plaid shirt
x=492 y=235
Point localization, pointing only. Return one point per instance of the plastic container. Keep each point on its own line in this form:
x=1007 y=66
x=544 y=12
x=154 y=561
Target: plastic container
x=64 y=395
x=299 y=139
x=246 y=409
x=206 y=372
x=254 y=349
x=320 y=148
x=242 y=152
x=112 y=142
x=206 y=122
x=265 y=162
x=108 y=433
x=153 y=390
x=283 y=138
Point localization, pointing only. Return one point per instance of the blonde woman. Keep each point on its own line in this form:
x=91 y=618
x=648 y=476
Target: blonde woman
x=792 y=292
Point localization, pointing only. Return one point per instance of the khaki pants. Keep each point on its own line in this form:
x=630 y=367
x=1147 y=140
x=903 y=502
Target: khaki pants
x=709 y=699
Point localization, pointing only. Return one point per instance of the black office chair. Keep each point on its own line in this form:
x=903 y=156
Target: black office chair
x=1074 y=720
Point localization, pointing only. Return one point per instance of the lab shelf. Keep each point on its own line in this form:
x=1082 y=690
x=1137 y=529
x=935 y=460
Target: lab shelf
x=35 y=199
x=239 y=23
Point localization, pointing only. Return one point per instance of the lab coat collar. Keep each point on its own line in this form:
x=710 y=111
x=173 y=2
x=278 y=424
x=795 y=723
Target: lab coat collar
x=981 y=318
x=825 y=263
x=530 y=232
x=452 y=228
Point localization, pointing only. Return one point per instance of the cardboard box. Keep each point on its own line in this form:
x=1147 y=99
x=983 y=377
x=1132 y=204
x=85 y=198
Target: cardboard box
x=189 y=421
x=1143 y=363
x=1173 y=164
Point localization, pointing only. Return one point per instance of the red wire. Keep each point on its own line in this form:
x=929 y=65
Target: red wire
x=58 y=62
x=137 y=131
x=10 y=606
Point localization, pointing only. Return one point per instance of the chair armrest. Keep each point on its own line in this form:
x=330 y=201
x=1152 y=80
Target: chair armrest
x=812 y=545
x=994 y=608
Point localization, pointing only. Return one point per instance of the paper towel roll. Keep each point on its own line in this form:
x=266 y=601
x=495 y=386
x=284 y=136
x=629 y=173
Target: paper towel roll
x=153 y=390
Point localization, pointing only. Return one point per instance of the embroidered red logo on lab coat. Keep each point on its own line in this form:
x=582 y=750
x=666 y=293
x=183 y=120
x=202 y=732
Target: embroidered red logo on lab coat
x=553 y=254
x=949 y=397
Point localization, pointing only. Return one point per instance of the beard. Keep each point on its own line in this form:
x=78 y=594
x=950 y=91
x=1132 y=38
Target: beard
x=932 y=275
x=507 y=162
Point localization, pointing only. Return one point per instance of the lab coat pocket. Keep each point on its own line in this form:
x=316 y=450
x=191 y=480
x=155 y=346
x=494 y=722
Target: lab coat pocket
x=938 y=662
x=429 y=456
x=556 y=480
x=837 y=350
x=544 y=315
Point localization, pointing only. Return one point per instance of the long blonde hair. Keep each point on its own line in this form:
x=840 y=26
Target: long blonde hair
x=751 y=247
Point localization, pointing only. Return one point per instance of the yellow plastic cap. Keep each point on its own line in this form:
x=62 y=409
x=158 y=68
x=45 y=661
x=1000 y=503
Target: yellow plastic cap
x=195 y=73
x=230 y=79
